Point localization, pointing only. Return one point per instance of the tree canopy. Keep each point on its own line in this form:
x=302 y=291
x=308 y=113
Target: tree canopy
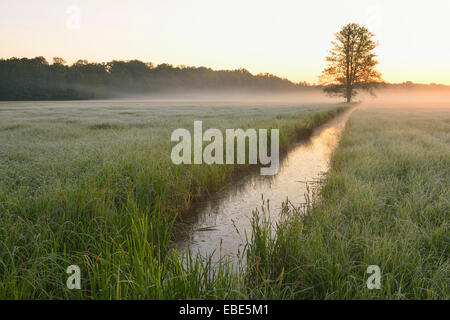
x=36 y=79
x=351 y=63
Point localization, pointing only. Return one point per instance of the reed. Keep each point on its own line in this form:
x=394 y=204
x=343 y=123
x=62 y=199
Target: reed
x=91 y=184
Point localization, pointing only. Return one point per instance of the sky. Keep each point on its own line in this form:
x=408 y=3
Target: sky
x=287 y=38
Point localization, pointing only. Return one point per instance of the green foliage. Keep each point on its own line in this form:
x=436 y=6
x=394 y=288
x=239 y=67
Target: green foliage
x=92 y=184
x=351 y=63
x=35 y=79
x=385 y=203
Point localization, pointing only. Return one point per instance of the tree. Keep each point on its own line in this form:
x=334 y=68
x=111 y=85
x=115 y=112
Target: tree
x=36 y=79
x=57 y=60
x=351 y=63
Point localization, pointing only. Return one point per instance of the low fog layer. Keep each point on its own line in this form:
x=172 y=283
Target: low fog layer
x=390 y=97
x=408 y=98
x=310 y=96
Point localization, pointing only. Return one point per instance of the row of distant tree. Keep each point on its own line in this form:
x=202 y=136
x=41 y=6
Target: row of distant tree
x=36 y=79
x=412 y=85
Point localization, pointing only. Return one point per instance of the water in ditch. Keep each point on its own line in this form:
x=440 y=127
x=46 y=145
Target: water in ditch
x=220 y=225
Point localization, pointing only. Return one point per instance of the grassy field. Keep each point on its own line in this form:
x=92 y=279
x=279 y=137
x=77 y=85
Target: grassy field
x=92 y=184
x=385 y=202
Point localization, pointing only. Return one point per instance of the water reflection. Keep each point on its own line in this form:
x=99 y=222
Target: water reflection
x=220 y=224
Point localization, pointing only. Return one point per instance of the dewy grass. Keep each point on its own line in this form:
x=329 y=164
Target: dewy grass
x=91 y=184
x=385 y=202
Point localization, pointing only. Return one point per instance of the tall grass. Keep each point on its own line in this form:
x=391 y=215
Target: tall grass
x=384 y=202
x=92 y=184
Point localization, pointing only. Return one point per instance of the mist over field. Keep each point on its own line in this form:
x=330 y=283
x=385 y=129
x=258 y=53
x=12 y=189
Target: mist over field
x=391 y=97
x=307 y=96
x=228 y=150
x=408 y=98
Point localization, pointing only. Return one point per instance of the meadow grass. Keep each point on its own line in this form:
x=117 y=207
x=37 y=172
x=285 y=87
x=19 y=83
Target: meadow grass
x=92 y=184
x=385 y=202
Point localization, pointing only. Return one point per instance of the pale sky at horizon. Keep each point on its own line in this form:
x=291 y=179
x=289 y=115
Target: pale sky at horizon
x=286 y=38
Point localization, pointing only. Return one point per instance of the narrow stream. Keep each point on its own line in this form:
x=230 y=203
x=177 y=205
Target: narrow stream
x=218 y=225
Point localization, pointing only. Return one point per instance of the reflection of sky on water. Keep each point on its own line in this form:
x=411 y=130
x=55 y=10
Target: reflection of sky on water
x=215 y=224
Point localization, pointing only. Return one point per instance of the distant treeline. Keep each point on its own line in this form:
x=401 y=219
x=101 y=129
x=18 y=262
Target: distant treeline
x=408 y=85
x=36 y=79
